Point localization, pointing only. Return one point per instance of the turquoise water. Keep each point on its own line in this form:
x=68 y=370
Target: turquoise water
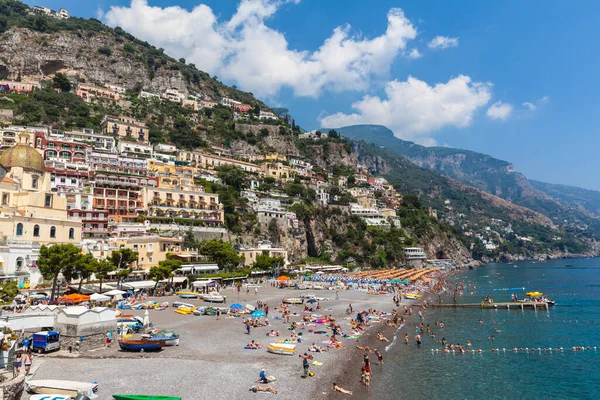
x=419 y=373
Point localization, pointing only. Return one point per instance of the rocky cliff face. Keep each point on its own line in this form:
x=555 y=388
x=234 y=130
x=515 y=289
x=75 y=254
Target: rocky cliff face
x=272 y=139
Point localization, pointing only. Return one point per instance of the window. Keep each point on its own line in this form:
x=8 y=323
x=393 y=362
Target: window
x=19 y=229
x=5 y=198
x=50 y=153
x=19 y=265
x=53 y=232
x=36 y=231
x=34 y=182
x=48 y=202
x=149 y=259
x=71 y=233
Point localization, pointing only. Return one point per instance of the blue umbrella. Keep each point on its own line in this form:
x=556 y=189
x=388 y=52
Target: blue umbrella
x=237 y=306
x=312 y=301
x=258 y=314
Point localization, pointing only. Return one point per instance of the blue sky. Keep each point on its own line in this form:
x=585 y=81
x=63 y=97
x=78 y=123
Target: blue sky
x=468 y=91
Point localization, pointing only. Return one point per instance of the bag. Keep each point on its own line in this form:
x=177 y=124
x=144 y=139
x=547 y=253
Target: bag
x=311 y=373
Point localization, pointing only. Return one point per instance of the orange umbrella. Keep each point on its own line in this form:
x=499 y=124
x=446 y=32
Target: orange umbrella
x=75 y=298
x=283 y=278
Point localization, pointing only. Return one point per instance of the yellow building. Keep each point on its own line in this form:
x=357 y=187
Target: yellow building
x=29 y=211
x=184 y=202
x=171 y=176
x=152 y=249
x=250 y=254
x=211 y=161
x=124 y=126
x=279 y=171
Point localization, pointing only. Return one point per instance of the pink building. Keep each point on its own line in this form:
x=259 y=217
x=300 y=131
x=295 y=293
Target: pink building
x=87 y=93
x=20 y=87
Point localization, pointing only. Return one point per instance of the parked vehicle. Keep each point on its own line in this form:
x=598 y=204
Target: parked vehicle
x=46 y=341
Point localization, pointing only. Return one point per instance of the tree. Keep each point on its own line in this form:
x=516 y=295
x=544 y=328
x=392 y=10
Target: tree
x=411 y=201
x=122 y=274
x=54 y=259
x=189 y=240
x=232 y=175
x=182 y=60
x=221 y=253
x=267 y=263
x=85 y=266
x=256 y=110
x=332 y=134
x=61 y=82
x=123 y=258
x=172 y=265
x=159 y=273
x=103 y=268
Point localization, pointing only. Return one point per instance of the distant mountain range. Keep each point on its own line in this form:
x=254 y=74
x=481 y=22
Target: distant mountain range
x=567 y=206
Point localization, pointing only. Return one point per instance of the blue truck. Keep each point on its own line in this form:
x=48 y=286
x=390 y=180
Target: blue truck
x=46 y=341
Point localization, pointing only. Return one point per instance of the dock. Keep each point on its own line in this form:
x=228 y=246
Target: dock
x=499 y=306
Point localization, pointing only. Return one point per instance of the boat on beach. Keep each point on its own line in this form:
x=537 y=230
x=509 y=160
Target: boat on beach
x=214 y=297
x=188 y=295
x=170 y=338
x=50 y=397
x=143 y=344
x=60 y=387
x=177 y=304
x=143 y=397
x=412 y=296
x=287 y=349
x=292 y=300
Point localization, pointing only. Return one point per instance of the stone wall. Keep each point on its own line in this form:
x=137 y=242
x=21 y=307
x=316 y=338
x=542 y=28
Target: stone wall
x=6 y=116
x=89 y=342
x=12 y=389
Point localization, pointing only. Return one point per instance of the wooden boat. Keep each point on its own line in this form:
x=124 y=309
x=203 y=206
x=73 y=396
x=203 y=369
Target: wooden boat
x=292 y=300
x=170 y=338
x=286 y=349
x=143 y=397
x=141 y=344
x=59 y=387
x=412 y=296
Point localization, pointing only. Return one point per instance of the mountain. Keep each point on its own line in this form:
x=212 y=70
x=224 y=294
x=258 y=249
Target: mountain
x=585 y=199
x=489 y=174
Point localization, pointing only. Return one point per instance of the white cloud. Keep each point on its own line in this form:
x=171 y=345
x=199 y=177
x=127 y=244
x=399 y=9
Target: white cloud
x=499 y=110
x=258 y=58
x=529 y=105
x=413 y=109
x=544 y=100
x=443 y=42
x=414 y=54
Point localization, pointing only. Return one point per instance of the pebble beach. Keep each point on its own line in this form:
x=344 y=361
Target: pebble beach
x=211 y=359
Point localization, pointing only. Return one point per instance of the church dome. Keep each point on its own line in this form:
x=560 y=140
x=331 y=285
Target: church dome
x=24 y=156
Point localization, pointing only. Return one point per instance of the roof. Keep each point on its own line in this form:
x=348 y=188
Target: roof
x=6 y=179
x=23 y=156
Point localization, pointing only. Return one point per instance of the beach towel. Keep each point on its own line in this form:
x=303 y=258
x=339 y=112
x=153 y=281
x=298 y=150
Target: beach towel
x=317 y=363
x=249 y=348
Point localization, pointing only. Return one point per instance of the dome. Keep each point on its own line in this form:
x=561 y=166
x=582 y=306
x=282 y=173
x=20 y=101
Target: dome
x=23 y=156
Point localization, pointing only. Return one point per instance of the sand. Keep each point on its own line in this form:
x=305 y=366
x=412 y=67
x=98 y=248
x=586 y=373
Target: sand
x=211 y=360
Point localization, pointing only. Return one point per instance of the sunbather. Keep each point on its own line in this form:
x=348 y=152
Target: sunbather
x=336 y=388
x=269 y=388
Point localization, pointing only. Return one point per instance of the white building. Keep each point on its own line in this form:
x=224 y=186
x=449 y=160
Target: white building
x=371 y=216
x=162 y=147
x=229 y=102
x=173 y=95
x=250 y=254
x=134 y=148
x=322 y=196
x=115 y=88
x=267 y=115
x=100 y=141
x=18 y=259
x=148 y=95
x=414 y=253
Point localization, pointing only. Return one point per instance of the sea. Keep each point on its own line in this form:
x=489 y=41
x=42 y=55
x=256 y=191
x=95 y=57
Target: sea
x=412 y=372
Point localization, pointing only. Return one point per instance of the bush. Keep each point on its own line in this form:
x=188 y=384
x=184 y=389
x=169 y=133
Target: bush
x=105 y=50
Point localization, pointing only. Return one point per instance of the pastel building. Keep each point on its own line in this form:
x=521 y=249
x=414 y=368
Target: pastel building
x=124 y=126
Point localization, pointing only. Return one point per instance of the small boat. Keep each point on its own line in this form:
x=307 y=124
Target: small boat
x=141 y=344
x=49 y=397
x=177 y=304
x=292 y=300
x=286 y=349
x=200 y=310
x=185 y=310
x=59 y=387
x=170 y=338
x=250 y=307
x=412 y=296
x=214 y=297
x=188 y=295
x=143 y=397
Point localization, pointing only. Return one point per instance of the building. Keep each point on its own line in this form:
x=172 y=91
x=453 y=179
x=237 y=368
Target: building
x=9 y=135
x=414 y=253
x=89 y=93
x=165 y=148
x=206 y=104
x=322 y=196
x=151 y=249
x=60 y=14
x=190 y=104
x=173 y=95
x=243 y=108
x=95 y=223
x=124 y=126
x=29 y=210
x=62 y=149
x=20 y=87
x=267 y=115
x=265 y=247
x=18 y=260
x=148 y=95
x=371 y=216
x=211 y=161
x=278 y=171
x=88 y=136
x=229 y=102
x=134 y=149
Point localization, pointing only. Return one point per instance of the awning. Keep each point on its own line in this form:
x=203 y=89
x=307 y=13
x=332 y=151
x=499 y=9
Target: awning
x=140 y=284
x=202 y=283
x=176 y=279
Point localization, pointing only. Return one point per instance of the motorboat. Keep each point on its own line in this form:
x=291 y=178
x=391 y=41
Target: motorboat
x=185 y=310
x=311 y=296
x=143 y=397
x=214 y=297
x=412 y=296
x=188 y=295
x=199 y=310
x=170 y=338
x=177 y=304
x=60 y=387
x=141 y=344
x=537 y=297
x=250 y=307
x=287 y=349
x=292 y=300
x=49 y=397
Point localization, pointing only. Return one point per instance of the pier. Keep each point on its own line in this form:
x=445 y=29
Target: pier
x=500 y=306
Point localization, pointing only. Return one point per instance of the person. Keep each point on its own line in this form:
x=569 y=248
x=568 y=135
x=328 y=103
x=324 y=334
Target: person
x=418 y=339
x=337 y=294
x=350 y=307
x=108 y=338
x=255 y=290
x=269 y=388
x=305 y=364
x=27 y=361
x=218 y=314
x=379 y=357
x=367 y=362
x=263 y=376
x=337 y=388
x=17 y=363
x=248 y=327
x=367 y=377
x=406 y=338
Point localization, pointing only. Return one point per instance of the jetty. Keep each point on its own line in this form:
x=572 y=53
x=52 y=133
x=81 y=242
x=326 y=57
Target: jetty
x=532 y=305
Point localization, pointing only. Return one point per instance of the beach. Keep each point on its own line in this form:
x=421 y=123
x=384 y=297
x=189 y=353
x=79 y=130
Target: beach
x=211 y=358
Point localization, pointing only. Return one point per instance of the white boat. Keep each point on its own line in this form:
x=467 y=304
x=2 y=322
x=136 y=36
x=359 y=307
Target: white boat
x=49 y=397
x=311 y=296
x=177 y=304
x=200 y=310
x=214 y=297
x=292 y=300
x=250 y=307
x=287 y=349
x=65 y=388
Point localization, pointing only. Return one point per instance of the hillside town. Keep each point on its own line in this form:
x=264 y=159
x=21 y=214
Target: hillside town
x=111 y=189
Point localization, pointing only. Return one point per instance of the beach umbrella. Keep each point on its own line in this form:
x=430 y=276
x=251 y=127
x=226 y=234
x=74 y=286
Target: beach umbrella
x=258 y=314
x=99 y=297
x=283 y=278
x=146 y=318
x=236 y=307
x=114 y=292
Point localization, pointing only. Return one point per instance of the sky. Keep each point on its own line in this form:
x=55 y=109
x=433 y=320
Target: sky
x=516 y=80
